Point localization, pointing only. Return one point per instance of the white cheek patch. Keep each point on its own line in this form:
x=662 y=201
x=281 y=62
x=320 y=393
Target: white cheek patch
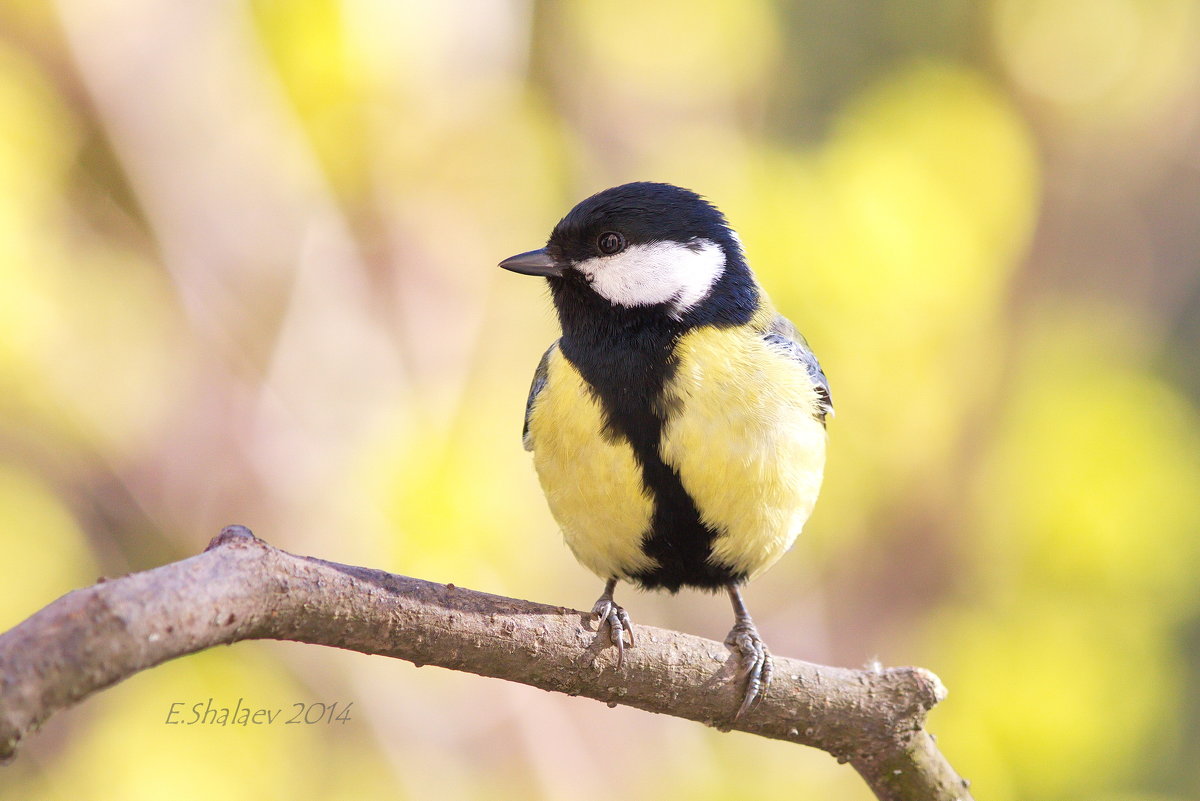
x=658 y=272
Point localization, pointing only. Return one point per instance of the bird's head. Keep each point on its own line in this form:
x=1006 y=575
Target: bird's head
x=649 y=249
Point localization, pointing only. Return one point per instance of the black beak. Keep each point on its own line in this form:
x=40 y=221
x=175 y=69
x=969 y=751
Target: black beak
x=535 y=262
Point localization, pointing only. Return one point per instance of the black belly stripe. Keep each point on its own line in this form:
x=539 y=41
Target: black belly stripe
x=629 y=377
x=679 y=541
x=626 y=355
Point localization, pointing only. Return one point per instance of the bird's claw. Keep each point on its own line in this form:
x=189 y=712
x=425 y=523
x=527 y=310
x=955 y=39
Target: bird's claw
x=755 y=664
x=605 y=611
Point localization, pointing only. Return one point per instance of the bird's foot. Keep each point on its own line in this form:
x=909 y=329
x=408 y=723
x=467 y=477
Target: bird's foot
x=606 y=611
x=755 y=663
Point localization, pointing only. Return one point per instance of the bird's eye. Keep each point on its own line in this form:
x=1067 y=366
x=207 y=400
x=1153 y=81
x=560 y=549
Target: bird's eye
x=610 y=242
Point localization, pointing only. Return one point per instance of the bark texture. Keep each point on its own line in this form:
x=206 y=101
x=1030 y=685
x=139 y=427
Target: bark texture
x=241 y=588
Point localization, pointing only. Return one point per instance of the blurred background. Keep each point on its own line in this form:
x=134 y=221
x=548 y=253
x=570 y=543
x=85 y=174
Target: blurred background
x=247 y=274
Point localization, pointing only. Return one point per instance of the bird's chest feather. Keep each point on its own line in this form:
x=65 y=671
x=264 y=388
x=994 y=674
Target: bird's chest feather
x=716 y=428
x=591 y=477
x=743 y=438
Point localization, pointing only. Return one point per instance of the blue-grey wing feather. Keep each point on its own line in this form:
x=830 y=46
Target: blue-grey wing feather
x=782 y=333
x=535 y=389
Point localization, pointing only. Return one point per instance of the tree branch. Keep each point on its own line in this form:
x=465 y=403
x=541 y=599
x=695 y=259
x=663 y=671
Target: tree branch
x=240 y=588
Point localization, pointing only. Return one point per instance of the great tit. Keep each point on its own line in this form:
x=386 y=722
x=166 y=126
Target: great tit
x=678 y=424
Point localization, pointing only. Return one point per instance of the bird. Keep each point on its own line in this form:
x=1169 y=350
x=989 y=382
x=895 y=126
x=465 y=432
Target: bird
x=678 y=424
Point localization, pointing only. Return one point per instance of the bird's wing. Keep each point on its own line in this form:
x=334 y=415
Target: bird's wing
x=535 y=389
x=783 y=333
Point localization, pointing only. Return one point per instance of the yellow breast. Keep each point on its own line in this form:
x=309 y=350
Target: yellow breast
x=742 y=436
x=593 y=484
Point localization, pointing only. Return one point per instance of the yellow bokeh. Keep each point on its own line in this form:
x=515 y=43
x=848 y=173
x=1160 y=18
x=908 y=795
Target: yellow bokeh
x=43 y=537
x=1071 y=661
x=1096 y=496
x=1089 y=58
x=672 y=50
